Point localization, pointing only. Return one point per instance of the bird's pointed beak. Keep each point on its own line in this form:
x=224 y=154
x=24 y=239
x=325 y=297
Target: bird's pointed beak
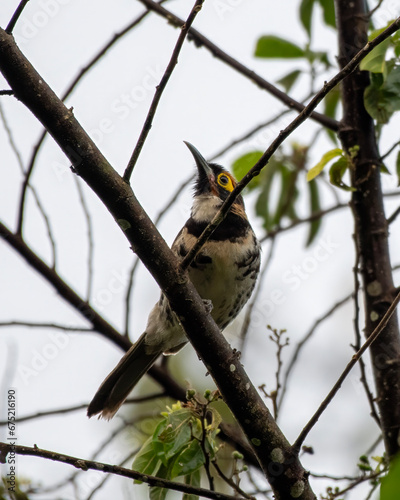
x=202 y=165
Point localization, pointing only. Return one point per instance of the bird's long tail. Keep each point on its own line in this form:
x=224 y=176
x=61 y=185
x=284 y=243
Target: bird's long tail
x=119 y=383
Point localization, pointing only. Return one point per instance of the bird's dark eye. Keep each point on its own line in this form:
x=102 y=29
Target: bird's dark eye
x=225 y=182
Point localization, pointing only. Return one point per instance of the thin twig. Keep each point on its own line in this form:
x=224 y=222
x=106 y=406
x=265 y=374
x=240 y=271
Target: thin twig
x=89 y=228
x=85 y=465
x=83 y=406
x=377 y=6
x=394 y=216
x=15 y=16
x=31 y=324
x=39 y=204
x=100 y=448
x=129 y=288
x=107 y=477
x=247 y=319
x=231 y=483
x=251 y=132
x=357 y=332
x=390 y=150
x=374 y=335
x=292 y=363
x=160 y=89
x=6 y=92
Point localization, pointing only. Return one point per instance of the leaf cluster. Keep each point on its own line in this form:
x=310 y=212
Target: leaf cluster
x=184 y=439
x=382 y=96
x=278 y=189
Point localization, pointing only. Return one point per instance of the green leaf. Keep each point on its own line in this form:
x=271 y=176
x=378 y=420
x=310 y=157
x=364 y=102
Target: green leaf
x=287 y=196
x=156 y=492
x=331 y=102
x=382 y=97
x=392 y=85
x=270 y=46
x=398 y=167
x=192 y=479
x=375 y=60
x=289 y=80
x=337 y=171
x=172 y=434
x=314 y=207
x=328 y=9
x=326 y=158
x=242 y=165
x=306 y=11
x=146 y=460
x=377 y=103
x=390 y=486
x=262 y=203
x=190 y=459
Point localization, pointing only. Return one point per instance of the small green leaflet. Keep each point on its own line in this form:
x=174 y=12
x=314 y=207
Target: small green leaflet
x=242 y=165
x=326 y=158
x=306 y=11
x=398 y=167
x=315 y=207
x=382 y=96
x=157 y=492
x=189 y=460
x=146 y=460
x=192 y=479
x=328 y=9
x=390 y=486
x=337 y=171
x=271 y=46
x=375 y=60
x=289 y=80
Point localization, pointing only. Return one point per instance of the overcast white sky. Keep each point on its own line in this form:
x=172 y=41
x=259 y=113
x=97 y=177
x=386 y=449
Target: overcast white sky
x=209 y=105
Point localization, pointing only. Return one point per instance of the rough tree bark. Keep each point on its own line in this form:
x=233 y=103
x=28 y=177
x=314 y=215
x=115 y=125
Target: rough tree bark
x=371 y=228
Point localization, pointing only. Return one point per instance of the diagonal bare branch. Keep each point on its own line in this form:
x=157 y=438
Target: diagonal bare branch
x=160 y=89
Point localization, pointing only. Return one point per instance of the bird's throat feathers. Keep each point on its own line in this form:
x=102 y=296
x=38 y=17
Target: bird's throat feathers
x=205 y=207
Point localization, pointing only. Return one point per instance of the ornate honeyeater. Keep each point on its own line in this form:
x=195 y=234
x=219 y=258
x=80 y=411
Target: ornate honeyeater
x=224 y=272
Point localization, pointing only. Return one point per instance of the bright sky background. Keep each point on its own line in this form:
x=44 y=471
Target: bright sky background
x=208 y=104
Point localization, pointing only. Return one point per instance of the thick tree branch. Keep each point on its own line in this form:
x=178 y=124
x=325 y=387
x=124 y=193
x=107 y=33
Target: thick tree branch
x=276 y=457
x=371 y=231
x=85 y=465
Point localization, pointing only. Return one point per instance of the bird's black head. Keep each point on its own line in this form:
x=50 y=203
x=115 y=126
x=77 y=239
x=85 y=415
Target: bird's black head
x=212 y=179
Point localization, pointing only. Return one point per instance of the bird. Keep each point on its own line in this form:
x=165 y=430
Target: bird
x=224 y=273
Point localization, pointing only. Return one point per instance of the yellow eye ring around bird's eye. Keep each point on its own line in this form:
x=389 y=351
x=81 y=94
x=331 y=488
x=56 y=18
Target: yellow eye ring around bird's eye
x=225 y=182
